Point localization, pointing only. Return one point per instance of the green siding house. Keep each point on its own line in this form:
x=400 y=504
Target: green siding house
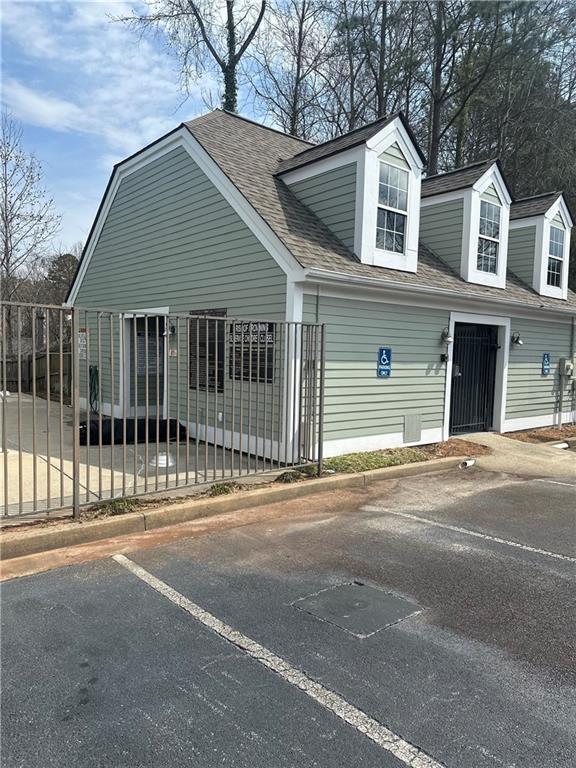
x=463 y=287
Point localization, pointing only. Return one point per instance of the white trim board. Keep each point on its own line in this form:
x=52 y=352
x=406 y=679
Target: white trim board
x=344 y=445
x=533 y=422
x=183 y=138
x=501 y=373
x=370 y=289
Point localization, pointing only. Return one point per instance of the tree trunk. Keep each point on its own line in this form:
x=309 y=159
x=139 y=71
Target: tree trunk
x=230 y=97
x=380 y=90
x=436 y=92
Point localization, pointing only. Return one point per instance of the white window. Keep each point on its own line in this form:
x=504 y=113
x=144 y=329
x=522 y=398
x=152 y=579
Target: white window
x=555 y=257
x=489 y=238
x=392 y=208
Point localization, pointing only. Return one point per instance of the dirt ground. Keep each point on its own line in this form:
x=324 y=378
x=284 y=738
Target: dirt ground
x=544 y=434
x=456 y=447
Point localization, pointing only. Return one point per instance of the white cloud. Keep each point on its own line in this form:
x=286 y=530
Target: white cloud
x=94 y=76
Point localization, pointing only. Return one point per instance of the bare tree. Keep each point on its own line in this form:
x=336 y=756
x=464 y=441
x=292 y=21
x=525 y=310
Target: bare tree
x=28 y=221
x=206 y=35
x=289 y=52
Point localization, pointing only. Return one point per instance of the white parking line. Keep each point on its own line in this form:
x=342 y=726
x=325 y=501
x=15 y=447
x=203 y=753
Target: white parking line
x=554 y=482
x=404 y=751
x=477 y=534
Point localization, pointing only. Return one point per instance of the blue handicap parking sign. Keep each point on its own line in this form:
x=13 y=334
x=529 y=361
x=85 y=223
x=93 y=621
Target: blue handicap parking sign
x=384 y=366
x=546 y=363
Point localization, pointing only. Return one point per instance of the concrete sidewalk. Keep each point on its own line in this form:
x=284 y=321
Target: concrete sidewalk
x=526 y=459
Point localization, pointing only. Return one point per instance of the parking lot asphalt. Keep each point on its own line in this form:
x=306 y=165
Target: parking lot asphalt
x=206 y=652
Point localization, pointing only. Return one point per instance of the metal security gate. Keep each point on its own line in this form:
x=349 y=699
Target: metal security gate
x=473 y=378
x=98 y=404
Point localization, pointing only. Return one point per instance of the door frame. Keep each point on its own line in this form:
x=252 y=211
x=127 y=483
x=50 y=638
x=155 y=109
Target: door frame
x=125 y=376
x=501 y=372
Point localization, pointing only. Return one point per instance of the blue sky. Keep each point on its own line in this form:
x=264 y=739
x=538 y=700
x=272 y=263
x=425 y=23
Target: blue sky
x=88 y=92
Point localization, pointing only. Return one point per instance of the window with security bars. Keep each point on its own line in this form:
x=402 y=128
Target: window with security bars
x=555 y=257
x=489 y=237
x=207 y=350
x=251 y=347
x=392 y=208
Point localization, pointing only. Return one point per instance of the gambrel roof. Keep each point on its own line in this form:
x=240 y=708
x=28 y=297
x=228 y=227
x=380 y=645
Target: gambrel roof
x=252 y=155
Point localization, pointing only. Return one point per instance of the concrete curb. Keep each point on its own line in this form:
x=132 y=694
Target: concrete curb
x=31 y=542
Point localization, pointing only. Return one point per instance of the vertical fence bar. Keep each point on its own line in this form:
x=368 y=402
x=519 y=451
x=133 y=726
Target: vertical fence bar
x=146 y=399
x=48 y=425
x=99 y=376
x=322 y=384
x=74 y=350
x=241 y=424
x=125 y=395
x=88 y=403
x=303 y=389
x=186 y=361
x=249 y=435
x=159 y=362
x=34 y=427
x=279 y=378
x=4 y=341
x=112 y=405
x=293 y=393
x=257 y=403
x=224 y=393
x=177 y=358
x=61 y=400
x=216 y=393
x=232 y=368
x=265 y=397
x=19 y=403
x=206 y=397
x=167 y=332
x=197 y=399
x=135 y=407
x=295 y=389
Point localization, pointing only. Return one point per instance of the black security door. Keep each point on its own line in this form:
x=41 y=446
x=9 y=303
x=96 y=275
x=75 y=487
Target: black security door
x=473 y=376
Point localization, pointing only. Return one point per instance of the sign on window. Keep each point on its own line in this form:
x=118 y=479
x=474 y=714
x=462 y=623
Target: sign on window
x=251 y=346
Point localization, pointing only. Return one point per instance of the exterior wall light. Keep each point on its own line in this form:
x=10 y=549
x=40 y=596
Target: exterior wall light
x=446 y=337
x=516 y=340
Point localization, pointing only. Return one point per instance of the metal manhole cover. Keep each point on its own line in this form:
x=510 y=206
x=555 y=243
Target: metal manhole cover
x=357 y=608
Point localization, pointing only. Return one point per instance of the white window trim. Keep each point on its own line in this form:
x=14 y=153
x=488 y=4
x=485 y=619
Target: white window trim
x=390 y=207
x=543 y=224
x=471 y=230
x=367 y=186
x=501 y=373
x=489 y=237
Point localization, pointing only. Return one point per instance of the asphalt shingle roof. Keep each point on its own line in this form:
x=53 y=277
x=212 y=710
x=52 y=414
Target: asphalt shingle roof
x=461 y=178
x=251 y=154
x=533 y=206
x=347 y=141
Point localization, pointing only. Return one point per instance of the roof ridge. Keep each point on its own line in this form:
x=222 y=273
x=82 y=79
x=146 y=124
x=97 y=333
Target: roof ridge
x=536 y=197
x=384 y=118
x=263 y=125
x=462 y=168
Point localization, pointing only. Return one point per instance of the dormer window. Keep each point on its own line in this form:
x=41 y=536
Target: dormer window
x=489 y=237
x=392 y=208
x=365 y=187
x=555 y=257
x=540 y=243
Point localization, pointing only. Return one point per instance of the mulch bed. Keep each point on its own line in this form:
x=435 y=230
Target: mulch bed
x=455 y=447
x=544 y=434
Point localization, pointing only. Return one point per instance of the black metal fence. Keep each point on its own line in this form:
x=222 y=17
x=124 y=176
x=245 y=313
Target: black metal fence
x=99 y=404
